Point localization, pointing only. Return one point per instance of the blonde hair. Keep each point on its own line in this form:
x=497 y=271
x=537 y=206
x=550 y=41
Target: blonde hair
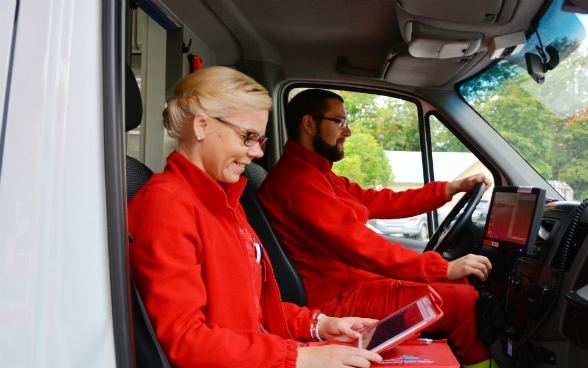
x=216 y=91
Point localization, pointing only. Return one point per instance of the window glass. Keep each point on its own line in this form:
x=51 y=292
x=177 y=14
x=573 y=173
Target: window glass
x=149 y=142
x=547 y=124
x=383 y=152
x=453 y=161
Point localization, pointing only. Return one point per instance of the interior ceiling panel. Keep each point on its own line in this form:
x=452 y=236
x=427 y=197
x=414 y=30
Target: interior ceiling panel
x=305 y=37
x=200 y=19
x=406 y=70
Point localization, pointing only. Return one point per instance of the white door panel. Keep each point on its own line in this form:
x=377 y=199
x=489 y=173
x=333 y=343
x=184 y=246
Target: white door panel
x=7 y=13
x=55 y=307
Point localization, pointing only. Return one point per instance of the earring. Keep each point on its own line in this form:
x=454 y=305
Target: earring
x=199 y=138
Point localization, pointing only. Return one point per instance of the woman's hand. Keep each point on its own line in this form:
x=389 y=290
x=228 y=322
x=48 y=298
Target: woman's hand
x=343 y=329
x=334 y=356
x=466 y=184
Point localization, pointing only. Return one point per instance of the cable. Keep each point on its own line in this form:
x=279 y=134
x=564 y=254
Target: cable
x=564 y=249
x=541 y=52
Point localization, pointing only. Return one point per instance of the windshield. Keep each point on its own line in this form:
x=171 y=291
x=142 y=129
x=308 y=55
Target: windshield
x=547 y=124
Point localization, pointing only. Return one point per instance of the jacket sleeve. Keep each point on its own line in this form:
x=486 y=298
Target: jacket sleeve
x=388 y=204
x=299 y=320
x=310 y=211
x=165 y=263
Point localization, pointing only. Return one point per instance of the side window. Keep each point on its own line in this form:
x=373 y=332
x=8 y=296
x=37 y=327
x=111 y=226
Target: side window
x=452 y=161
x=384 y=151
x=156 y=60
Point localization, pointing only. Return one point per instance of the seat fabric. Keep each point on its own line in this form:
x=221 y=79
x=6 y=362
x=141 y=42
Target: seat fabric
x=148 y=351
x=289 y=280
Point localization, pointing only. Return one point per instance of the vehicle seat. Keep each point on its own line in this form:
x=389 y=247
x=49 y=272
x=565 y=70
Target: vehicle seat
x=289 y=280
x=148 y=351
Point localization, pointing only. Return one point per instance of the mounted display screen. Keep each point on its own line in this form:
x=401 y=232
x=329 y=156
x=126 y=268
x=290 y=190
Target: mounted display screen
x=514 y=218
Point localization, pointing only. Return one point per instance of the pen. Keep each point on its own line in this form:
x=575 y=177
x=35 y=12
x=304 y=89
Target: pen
x=419 y=341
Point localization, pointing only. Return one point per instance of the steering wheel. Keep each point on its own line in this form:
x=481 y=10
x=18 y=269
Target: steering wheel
x=444 y=241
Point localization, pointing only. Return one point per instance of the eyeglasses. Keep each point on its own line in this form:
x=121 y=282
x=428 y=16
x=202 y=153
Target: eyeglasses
x=250 y=137
x=343 y=122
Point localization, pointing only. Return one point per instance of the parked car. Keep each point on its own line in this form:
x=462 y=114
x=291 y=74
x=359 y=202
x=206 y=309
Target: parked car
x=415 y=226
x=481 y=210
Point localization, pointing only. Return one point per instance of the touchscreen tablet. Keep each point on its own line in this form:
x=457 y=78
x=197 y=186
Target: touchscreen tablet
x=399 y=326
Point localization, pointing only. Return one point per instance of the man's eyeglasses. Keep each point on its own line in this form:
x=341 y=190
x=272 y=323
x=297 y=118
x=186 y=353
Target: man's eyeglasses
x=343 y=122
x=250 y=137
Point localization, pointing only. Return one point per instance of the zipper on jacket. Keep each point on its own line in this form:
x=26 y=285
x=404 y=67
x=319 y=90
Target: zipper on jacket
x=242 y=230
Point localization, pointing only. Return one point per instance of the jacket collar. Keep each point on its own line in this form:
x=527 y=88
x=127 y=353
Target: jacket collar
x=297 y=151
x=206 y=189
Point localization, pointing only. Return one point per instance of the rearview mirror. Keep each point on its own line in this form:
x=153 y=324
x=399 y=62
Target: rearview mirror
x=535 y=67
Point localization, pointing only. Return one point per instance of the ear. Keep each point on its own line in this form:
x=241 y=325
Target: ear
x=308 y=125
x=199 y=126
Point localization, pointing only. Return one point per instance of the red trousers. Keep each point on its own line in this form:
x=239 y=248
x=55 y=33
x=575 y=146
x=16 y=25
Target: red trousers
x=379 y=298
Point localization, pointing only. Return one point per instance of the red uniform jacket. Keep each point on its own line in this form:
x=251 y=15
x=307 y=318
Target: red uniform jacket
x=321 y=219
x=191 y=266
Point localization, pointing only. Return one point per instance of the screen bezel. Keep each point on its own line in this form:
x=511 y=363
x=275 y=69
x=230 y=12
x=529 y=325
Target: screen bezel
x=406 y=334
x=536 y=218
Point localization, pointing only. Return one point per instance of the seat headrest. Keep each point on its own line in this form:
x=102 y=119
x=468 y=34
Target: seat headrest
x=133 y=103
x=255 y=174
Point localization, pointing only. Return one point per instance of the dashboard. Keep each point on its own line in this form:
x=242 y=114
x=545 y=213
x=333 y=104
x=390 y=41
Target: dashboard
x=527 y=283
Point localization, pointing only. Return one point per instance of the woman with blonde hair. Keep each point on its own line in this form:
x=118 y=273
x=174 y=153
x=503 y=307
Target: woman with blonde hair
x=207 y=285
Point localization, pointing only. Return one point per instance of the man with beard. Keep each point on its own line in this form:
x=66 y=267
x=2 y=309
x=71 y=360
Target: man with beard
x=349 y=270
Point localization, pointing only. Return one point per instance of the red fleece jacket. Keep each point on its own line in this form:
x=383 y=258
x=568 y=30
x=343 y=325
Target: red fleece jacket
x=321 y=219
x=192 y=269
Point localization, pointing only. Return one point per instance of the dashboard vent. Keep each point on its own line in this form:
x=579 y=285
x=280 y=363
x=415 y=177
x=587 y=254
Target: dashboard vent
x=575 y=244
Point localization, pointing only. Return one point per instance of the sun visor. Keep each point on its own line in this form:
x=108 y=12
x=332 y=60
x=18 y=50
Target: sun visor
x=477 y=12
x=406 y=70
x=429 y=42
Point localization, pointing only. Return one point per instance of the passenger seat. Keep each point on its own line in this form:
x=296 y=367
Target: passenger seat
x=289 y=280
x=148 y=351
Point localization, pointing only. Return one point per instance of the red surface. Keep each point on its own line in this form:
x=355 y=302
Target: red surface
x=191 y=264
x=436 y=354
x=321 y=218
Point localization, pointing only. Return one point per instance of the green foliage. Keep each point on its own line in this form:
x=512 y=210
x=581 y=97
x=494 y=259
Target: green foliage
x=365 y=161
x=548 y=123
x=395 y=120
x=442 y=140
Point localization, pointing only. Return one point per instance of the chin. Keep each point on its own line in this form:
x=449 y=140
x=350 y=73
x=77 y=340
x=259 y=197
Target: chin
x=231 y=179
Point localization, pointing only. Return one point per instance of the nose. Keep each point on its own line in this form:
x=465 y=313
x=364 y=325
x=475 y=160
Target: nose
x=255 y=151
x=347 y=131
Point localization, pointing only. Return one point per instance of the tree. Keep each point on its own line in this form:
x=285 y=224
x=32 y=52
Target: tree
x=442 y=140
x=548 y=123
x=394 y=119
x=365 y=162
x=575 y=171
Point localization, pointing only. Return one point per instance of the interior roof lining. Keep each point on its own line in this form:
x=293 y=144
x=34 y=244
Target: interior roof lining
x=306 y=48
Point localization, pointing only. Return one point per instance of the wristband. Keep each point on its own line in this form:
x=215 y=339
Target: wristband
x=314 y=327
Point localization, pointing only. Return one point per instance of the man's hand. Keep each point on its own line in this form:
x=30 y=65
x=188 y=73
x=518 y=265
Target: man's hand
x=334 y=356
x=343 y=329
x=466 y=184
x=469 y=265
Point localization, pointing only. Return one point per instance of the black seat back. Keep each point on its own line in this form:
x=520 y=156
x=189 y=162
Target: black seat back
x=148 y=351
x=289 y=280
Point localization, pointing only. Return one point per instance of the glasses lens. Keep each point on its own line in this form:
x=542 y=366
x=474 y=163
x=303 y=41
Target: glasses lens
x=251 y=139
x=262 y=141
x=343 y=123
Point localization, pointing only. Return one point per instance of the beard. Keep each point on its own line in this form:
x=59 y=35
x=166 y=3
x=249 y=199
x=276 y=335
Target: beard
x=324 y=149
